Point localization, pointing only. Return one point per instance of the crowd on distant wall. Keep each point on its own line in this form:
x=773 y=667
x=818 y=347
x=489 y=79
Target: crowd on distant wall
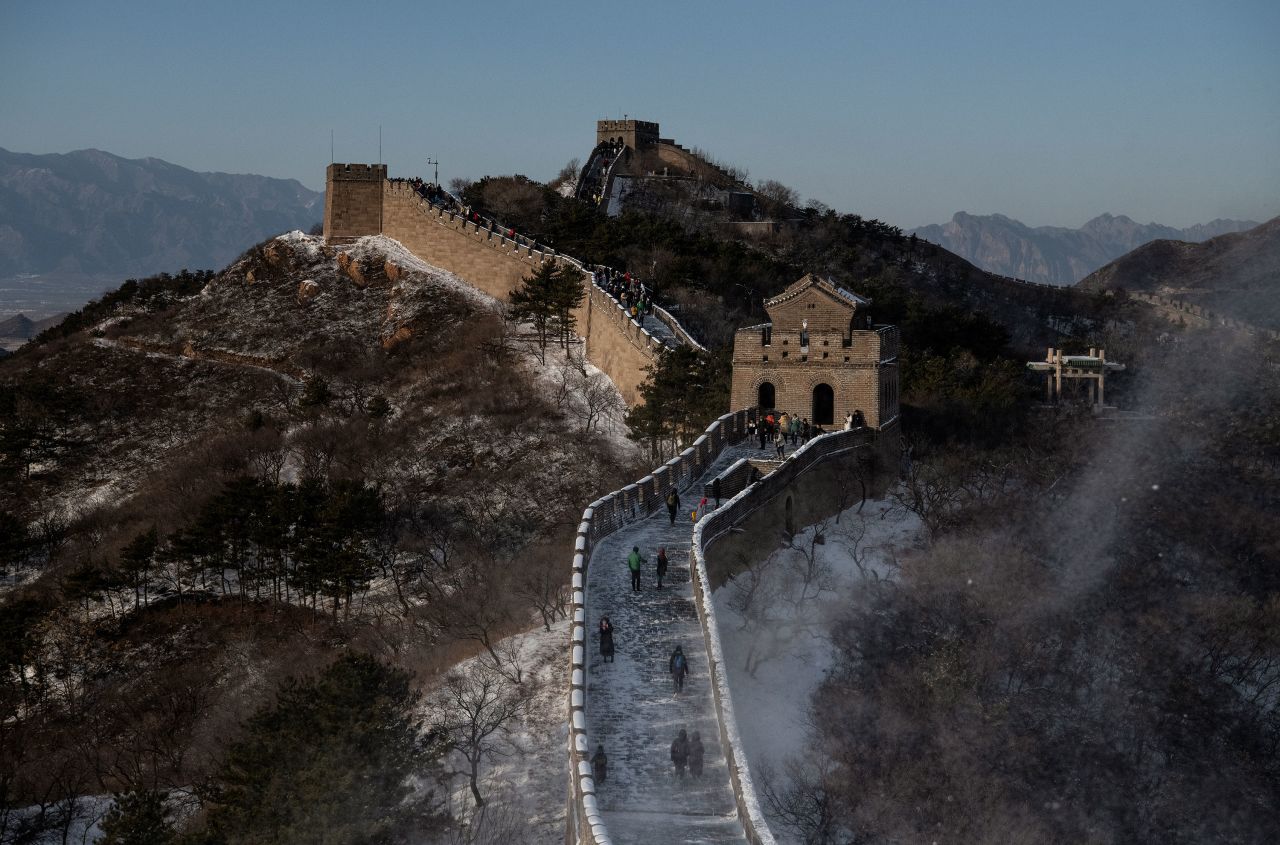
x=633 y=295
x=602 y=158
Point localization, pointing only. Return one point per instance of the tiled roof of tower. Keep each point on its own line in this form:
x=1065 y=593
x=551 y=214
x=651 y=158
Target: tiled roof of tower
x=810 y=280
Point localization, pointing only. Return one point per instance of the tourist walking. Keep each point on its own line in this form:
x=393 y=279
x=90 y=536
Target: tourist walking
x=662 y=565
x=600 y=764
x=695 y=755
x=633 y=563
x=680 y=752
x=763 y=431
x=678 y=666
x=779 y=444
x=673 y=504
x=715 y=490
x=606 y=639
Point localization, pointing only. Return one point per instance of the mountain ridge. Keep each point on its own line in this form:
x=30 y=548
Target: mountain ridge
x=93 y=212
x=1236 y=274
x=1057 y=254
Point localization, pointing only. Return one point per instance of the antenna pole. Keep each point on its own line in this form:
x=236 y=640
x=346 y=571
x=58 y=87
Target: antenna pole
x=331 y=146
x=379 y=143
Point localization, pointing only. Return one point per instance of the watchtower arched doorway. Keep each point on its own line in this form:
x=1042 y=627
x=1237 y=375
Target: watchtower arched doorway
x=824 y=405
x=764 y=396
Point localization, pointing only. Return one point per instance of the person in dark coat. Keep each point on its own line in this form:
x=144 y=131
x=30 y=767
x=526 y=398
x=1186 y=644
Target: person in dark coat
x=763 y=431
x=678 y=666
x=662 y=564
x=715 y=490
x=606 y=639
x=600 y=764
x=695 y=755
x=673 y=504
x=680 y=752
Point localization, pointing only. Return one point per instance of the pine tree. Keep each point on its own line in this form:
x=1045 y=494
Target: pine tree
x=136 y=560
x=138 y=818
x=330 y=761
x=547 y=299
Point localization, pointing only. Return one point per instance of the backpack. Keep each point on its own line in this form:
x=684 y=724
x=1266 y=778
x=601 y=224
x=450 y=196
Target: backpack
x=680 y=663
x=671 y=499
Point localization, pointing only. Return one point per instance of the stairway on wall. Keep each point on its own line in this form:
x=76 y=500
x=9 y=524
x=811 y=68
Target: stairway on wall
x=632 y=708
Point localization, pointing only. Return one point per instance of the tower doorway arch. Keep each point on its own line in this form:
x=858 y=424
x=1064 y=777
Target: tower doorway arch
x=765 y=396
x=824 y=405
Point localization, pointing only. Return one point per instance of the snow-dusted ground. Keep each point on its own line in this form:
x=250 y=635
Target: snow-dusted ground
x=524 y=785
x=772 y=706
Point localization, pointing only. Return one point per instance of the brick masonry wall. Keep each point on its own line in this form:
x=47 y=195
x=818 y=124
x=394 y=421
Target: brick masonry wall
x=494 y=263
x=353 y=200
x=804 y=490
x=863 y=376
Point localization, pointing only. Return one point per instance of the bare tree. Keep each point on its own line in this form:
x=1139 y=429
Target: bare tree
x=476 y=712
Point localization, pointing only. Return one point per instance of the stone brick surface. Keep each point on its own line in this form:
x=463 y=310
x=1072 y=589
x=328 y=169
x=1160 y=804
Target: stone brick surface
x=632 y=707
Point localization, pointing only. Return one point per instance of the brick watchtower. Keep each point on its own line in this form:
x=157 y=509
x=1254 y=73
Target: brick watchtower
x=353 y=201
x=818 y=357
x=636 y=134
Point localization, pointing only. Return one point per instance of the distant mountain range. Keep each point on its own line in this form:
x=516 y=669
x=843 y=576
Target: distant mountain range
x=91 y=213
x=17 y=330
x=1053 y=254
x=1236 y=274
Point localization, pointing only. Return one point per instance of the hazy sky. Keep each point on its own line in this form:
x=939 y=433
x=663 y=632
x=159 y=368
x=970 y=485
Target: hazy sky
x=907 y=111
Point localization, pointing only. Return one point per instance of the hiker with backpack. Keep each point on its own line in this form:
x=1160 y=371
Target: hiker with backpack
x=633 y=563
x=680 y=752
x=673 y=504
x=678 y=666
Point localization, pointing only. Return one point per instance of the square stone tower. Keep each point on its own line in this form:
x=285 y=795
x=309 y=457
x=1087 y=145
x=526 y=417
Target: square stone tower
x=636 y=134
x=353 y=201
x=818 y=357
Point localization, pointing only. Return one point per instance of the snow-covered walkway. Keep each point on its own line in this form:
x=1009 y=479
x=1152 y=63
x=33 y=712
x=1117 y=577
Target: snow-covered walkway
x=632 y=708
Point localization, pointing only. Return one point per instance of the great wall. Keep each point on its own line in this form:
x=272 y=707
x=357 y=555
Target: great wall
x=724 y=806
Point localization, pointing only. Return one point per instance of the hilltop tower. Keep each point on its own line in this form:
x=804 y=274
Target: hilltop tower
x=353 y=201
x=636 y=134
x=820 y=357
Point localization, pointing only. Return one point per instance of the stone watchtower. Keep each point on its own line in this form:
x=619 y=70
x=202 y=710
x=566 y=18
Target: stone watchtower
x=819 y=357
x=636 y=134
x=353 y=201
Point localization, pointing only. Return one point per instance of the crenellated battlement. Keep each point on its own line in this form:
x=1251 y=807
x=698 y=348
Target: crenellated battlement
x=356 y=173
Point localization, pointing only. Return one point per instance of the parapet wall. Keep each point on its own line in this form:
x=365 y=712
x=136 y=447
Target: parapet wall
x=804 y=490
x=1198 y=315
x=602 y=517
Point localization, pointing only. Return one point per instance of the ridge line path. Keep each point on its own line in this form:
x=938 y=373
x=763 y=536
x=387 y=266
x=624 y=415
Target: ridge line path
x=632 y=707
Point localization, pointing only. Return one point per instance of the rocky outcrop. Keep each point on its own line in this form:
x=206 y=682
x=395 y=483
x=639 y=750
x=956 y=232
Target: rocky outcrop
x=308 y=289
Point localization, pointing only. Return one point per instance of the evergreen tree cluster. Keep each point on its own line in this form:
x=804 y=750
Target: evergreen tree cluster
x=308 y=541
x=332 y=761
x=686 y=389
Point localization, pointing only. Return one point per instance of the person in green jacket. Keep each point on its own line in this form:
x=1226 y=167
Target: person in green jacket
x=633 y=563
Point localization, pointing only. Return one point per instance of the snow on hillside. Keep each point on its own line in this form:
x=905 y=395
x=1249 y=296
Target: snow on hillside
x=790 y=638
